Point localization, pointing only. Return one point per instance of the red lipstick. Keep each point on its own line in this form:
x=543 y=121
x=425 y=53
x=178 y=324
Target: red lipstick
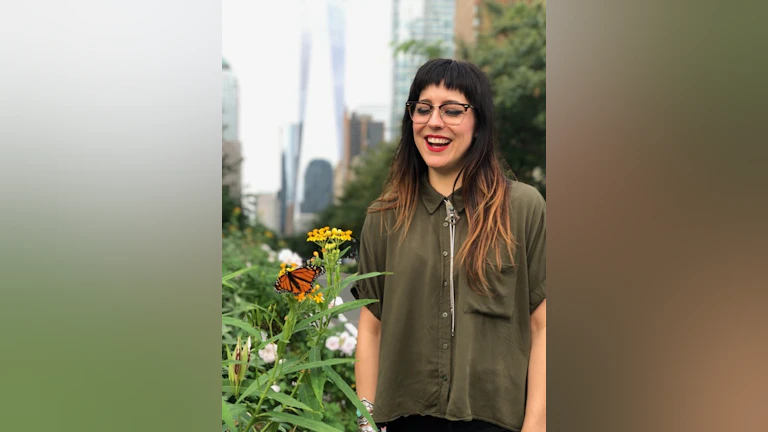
x=437 y=147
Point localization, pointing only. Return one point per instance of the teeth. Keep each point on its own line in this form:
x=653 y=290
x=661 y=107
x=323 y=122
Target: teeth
x=438 y=140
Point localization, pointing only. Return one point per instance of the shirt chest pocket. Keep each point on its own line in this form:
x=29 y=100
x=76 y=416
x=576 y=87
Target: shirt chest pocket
x=502 y=289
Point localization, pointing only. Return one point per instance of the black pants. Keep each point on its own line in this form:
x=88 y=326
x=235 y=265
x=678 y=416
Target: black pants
x=430 y=424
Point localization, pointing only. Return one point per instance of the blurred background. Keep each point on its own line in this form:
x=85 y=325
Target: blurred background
x=314 y=91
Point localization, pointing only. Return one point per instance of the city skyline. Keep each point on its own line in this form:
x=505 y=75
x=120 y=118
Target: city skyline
x=269 y=75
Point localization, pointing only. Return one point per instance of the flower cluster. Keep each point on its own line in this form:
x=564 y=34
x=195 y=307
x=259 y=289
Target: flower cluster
x=287 y=256
x=345 y=343
x=269 y=353
x=323 y=236
x=285 y=269
x=318 y=298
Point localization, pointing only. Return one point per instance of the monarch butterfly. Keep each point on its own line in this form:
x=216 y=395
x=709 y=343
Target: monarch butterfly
x=299 y=281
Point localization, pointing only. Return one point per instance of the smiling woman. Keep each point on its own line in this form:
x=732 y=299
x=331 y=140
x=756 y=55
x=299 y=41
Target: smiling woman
x=459 y=339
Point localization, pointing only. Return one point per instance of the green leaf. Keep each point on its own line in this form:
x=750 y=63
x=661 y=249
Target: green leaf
x=287 y=400
x=356 y=277
x=348 y=392
x=306 y=396
x=317 y=379
x=238 y=273
x=234 y=322
x=257 y=386
x=303 y=324
x=226 y=416
x=312 y=365
x=302 y=422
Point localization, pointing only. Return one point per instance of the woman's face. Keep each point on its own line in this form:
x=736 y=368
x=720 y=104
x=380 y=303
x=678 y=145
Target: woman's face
x=441 y=145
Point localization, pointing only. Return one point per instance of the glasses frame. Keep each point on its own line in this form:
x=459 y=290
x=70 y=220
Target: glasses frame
x=439 y=110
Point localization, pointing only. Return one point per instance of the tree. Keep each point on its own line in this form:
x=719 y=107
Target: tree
x=368 y=177
x=429 y=50
x=512 y=52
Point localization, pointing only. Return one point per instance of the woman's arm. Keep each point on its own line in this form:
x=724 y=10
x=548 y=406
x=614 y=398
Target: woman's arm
x=536 y=403
x=367 y=354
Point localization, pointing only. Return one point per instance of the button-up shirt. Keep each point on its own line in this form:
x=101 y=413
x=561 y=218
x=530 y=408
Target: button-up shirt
x=480 y=372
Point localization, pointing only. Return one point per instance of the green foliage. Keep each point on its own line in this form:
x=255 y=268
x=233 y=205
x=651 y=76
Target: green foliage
x=368 y=178
x=513 y=55
x=277 y=373
x=245 y=249
x=428 y=50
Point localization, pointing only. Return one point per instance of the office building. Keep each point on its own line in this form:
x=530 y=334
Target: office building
x=361 y=133
x=231 y=150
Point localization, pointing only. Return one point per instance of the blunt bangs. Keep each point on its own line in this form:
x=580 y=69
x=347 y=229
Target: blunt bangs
x=453 y=74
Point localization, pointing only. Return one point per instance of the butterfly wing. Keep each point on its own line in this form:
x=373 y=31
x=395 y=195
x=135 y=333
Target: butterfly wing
x=300 y=280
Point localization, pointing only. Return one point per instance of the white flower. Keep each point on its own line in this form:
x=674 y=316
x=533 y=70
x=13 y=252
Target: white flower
x=332 y=343
x=276 y=388
x=344 y=336
x=268 y=353
x=335 y=302
x=348 y=347
x=289 y=257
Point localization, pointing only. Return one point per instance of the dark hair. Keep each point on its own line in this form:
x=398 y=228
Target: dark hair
x=484 y=188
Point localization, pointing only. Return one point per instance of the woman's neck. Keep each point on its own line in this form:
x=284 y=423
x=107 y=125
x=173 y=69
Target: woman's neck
x=443 y=182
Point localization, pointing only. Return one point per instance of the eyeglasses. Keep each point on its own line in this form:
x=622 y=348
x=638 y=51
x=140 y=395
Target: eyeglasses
x=452 y=113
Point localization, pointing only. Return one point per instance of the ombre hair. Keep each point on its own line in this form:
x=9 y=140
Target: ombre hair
x=484 y=187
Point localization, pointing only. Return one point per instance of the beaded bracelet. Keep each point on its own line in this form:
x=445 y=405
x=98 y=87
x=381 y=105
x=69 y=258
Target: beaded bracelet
x=361 y=420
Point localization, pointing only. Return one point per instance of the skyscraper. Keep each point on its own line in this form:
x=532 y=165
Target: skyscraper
x=290 y=136
x=361 y=132
x=321 y=94
x=428 y=21
x=231 y=150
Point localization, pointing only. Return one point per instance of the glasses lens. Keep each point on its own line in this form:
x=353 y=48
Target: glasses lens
x=452 y=114
x=420 y=112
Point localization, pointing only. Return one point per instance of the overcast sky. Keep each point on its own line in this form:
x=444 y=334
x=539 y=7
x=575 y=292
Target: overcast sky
x=261 y=45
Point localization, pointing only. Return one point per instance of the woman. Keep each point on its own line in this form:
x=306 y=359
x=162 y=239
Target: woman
x=457 y=340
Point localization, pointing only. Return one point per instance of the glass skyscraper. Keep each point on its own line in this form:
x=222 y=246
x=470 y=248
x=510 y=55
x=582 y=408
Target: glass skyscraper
x=321 y=100
x=428 y=21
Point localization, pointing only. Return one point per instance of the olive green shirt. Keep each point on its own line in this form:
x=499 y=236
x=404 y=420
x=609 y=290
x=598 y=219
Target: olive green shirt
x=480 y=373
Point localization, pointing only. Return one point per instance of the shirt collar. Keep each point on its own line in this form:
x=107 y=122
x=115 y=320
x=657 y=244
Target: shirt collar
x=432 y=198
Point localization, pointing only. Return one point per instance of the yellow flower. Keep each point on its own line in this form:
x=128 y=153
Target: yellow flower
x=236 y=211
x=318 y=298
x=301 y=297
x=317 y=255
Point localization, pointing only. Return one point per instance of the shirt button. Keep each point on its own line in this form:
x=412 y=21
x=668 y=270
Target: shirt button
x=445 y=253
x=445 y=224
x=445 y=346
x=445 y=314
x=444 y=378
x=445 y=283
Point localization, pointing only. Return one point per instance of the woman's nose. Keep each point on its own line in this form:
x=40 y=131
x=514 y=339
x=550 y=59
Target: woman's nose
x=435 y=120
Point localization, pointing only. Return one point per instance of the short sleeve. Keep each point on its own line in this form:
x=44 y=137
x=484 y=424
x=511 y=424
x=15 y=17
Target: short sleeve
x=536 y=248
x=372 y=258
